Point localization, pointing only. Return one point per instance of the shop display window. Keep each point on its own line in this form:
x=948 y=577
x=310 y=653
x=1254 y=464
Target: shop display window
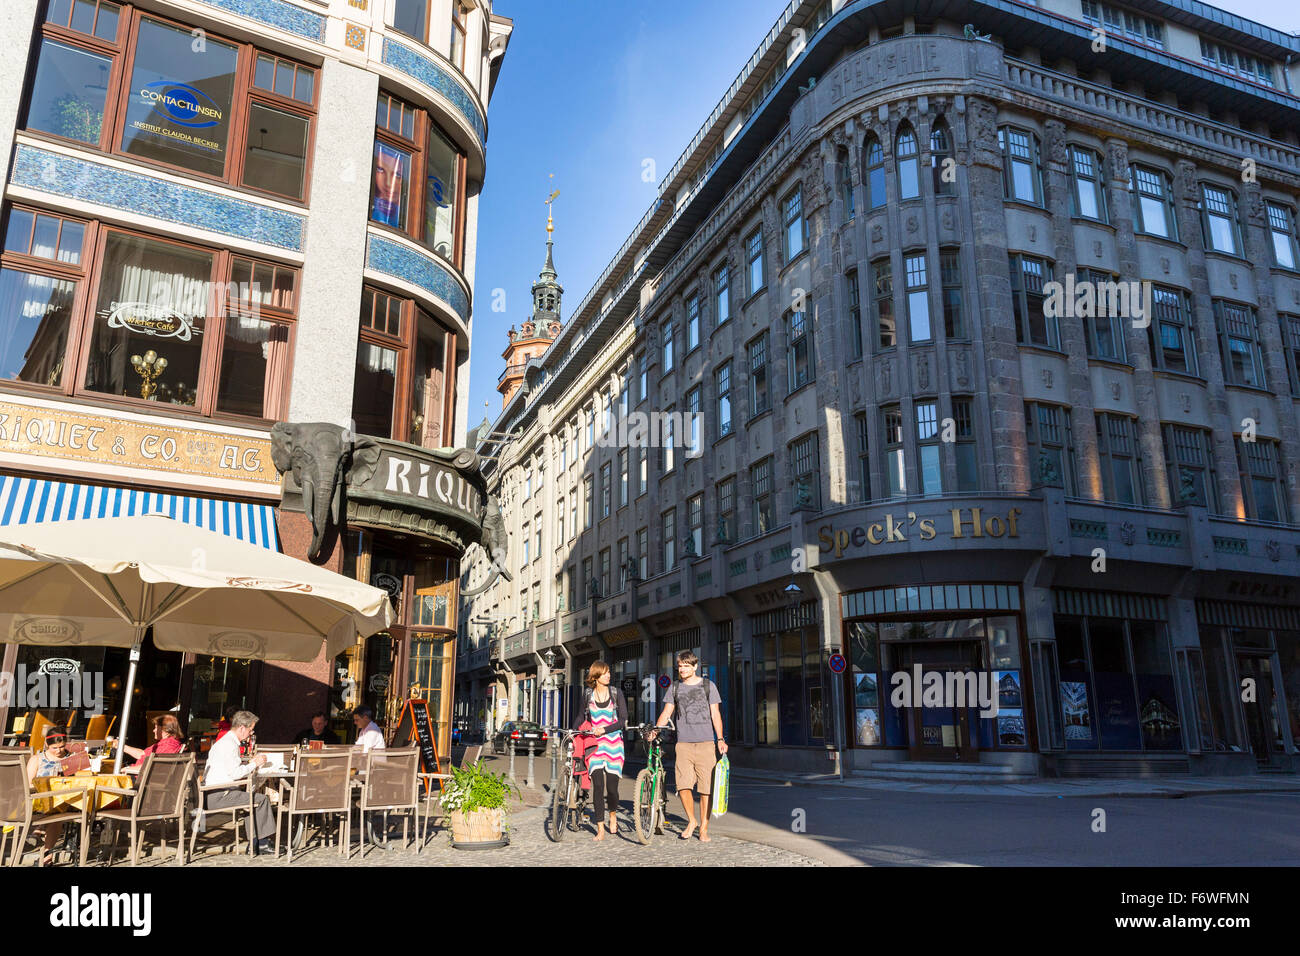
x=110 y=77
x=162 y=323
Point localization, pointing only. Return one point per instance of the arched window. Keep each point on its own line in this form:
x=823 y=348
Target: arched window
x=845 y=182
x=909 y=163
x=875 y=177
x=941 y=164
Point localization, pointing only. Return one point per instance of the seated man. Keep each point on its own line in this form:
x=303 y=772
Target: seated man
x=224 y=767
x=319 y=731
x=369 y=736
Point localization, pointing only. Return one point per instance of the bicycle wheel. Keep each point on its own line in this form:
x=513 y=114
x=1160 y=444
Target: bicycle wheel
x=560 y=807
x=643 y=810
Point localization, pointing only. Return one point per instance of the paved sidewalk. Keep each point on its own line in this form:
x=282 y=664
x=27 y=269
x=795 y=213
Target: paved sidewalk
x=1166 y=787
x=529 y=846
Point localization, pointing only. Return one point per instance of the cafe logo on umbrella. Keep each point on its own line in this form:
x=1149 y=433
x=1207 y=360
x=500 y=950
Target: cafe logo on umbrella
x=269 y=584
x=236 y=644
x=46 y=630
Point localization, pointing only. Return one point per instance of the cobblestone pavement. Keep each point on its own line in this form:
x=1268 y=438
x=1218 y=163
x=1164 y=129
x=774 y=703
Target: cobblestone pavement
x=529 y=846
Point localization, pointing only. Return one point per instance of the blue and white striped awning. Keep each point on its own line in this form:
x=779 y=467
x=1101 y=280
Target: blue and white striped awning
x=33 y=500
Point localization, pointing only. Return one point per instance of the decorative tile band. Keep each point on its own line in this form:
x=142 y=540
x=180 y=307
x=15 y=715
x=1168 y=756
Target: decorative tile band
x=277 y=13
x=422 y=269
x=147 y=196
x=431 y=74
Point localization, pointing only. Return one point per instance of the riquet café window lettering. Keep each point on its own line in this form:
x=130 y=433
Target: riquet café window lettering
x=162 y=92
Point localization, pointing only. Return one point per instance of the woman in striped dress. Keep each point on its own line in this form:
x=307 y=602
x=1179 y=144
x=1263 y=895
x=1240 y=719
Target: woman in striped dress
x=605 y=715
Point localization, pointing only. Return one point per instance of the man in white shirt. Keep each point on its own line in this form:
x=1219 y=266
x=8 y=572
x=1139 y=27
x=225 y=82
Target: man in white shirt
x=369 y=736
x=224 y=766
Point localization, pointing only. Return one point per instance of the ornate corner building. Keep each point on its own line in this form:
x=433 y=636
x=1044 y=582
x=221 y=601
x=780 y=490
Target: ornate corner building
x=236 y=287
x=908 y=442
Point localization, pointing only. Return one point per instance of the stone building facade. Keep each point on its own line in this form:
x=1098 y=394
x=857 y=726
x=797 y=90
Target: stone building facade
x=239 y=255
x=992 y=326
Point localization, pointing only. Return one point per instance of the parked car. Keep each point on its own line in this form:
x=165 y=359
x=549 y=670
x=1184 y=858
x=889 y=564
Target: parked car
x=527 y=737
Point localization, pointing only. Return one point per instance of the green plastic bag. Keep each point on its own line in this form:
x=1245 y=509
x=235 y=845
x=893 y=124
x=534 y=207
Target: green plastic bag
x=721 y=785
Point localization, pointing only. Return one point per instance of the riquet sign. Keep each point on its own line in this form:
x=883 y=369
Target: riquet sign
x=78 y=436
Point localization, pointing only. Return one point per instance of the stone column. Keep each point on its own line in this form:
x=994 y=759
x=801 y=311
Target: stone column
x=1259 y=250
x=18 y=22
x=1006 y=400
x=1074 y=337
x=327 y=333
x=824 y=310
x=1120 y=203
x=1186 y=199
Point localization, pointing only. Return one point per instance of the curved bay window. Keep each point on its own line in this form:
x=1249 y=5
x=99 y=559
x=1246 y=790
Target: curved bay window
x=156 y=321
x=405 y=372
x=110 y=77
x=418 y=183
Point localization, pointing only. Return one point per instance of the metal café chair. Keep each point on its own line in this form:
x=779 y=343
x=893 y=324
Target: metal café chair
x=322 y=783
x=204 y=813
x=18 y=812
x=390 y=785
x=160 y=794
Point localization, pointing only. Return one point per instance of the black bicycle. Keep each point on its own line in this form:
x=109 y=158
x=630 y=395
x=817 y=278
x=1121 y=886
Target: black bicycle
x=569 y=801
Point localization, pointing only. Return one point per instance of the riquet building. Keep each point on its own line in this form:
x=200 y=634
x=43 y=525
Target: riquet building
x=235 y=287
x=990 y=313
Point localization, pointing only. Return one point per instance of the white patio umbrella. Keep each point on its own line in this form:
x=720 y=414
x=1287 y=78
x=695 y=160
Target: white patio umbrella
x=106 y=581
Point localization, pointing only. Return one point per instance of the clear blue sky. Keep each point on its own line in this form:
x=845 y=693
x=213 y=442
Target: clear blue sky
x=589 y=90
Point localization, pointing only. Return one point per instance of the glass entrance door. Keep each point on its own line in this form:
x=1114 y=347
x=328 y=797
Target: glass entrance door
x=940 y=730
x=1262 y=726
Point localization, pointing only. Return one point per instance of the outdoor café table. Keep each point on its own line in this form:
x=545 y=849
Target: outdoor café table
x=58 y=801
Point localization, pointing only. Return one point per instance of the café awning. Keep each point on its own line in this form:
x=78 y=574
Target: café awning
x=39 y=500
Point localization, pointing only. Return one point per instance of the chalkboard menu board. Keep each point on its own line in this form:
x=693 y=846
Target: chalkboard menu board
x=416 y=727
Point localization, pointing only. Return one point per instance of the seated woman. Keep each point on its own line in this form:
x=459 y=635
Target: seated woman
x=168 y=739
x=48 y=762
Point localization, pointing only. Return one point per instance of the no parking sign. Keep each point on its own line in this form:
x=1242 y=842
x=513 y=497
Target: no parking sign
x=838 y=663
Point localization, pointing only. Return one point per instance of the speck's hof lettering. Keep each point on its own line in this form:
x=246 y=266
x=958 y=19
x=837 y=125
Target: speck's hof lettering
x=959 y=523
x=75 y=435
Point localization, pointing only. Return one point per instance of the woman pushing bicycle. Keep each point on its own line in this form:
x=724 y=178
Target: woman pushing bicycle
x=605 y=715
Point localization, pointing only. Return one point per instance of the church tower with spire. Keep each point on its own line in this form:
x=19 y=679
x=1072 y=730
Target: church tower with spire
x=540 y=328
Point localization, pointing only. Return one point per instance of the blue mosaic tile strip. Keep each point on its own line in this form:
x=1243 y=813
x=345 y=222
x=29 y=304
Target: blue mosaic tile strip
x=146 y=196
x=425 y=271
x=276 y=13
x=434 y=76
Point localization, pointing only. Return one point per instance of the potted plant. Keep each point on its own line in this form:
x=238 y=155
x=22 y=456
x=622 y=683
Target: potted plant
x=476 y=801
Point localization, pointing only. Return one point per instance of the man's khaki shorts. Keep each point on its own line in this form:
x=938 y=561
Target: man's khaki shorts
x=695 y=763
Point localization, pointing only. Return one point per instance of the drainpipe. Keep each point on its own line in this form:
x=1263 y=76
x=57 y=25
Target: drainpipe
x=1286 y=73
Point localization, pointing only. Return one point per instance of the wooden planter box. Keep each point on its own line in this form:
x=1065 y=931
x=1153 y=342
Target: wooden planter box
x=478 y=830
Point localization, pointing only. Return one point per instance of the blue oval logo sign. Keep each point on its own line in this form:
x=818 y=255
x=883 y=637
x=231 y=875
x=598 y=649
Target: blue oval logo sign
x=182 y=104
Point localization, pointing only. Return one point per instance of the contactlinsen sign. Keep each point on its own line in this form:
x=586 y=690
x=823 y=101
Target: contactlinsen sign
x=965 y=523
x=182 y=104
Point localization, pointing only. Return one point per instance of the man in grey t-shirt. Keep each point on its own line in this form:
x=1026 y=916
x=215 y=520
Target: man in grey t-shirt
x=696 y=703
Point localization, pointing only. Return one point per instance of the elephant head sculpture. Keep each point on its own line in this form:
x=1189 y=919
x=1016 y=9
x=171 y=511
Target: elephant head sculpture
x=320 y=456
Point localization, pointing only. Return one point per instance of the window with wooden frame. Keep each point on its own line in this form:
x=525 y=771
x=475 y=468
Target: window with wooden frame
x=459 y=16
x=153 y=322
x=405 y=372
x=136 y=85
x=417 y=179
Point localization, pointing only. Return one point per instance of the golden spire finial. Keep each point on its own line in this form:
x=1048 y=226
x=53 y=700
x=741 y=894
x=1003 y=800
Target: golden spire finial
x=550 y=222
